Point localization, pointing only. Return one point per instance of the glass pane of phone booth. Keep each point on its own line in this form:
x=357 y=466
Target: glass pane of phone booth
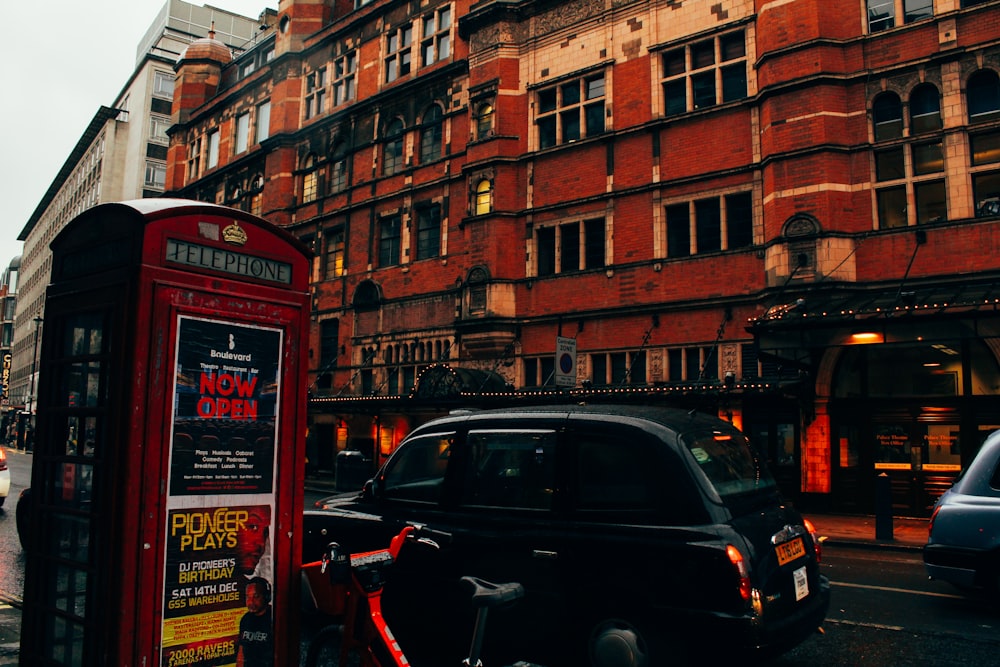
x=69 y=446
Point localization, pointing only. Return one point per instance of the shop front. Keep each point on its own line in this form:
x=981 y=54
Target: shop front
x=897 y=394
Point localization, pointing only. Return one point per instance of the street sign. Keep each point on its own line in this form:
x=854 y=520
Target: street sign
x=565 y=362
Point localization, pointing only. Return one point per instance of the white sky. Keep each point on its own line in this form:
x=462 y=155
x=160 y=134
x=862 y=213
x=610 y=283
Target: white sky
x=61 y=61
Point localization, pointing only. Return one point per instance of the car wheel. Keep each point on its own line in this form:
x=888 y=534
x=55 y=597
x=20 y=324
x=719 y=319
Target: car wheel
x=617 y=642
x=2 y=498
x=324 y=649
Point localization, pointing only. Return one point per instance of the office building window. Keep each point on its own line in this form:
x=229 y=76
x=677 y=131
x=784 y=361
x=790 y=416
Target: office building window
x=242 y=133
x=392 y=149
x=158 y=128
x=156 y=175
x=719 y=223
x=389 y=241
x=398 y=56
x=705 y=73
x=435 y=42
x=315 y=98
x=570 y=111
x=909 y=174
x=163 y=84
x=570 y=246
x=985 y=149
x=983 y=96
x=431 y=134
x=428 y=232
x=263 y=127
x=344 y=78
x=335 y=253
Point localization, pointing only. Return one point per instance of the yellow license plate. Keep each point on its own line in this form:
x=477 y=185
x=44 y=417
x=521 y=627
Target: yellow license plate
x=789 y=551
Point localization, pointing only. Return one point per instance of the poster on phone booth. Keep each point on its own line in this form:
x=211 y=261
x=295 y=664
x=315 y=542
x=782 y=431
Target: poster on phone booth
x=217 y=567
x=225 y=408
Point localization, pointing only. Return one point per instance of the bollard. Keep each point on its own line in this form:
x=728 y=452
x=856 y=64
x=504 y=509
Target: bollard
x=883 y=508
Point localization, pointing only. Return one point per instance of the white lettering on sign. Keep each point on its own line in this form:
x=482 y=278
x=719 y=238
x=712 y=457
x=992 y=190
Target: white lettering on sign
x=227 y=261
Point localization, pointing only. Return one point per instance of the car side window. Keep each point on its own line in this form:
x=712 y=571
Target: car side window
x=611 y=475
x=417 y=470
x=511 y=468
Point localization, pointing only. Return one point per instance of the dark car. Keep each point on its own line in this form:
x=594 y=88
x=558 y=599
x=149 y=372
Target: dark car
x=638 y=533
x=963 y=547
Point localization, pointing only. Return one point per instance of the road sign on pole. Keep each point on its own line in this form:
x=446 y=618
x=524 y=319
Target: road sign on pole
x=565 y=361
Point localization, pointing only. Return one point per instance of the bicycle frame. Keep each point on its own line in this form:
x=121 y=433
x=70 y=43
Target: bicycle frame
x=357 y=598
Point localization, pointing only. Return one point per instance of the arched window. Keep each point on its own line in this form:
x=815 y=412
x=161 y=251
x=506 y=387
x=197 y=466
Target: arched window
x=887 y=114
x=392 y=152
x=484 y=120
x=925 y=109
x=309 y=179
x=983 y=95
x=431 y=135
x=484 y=197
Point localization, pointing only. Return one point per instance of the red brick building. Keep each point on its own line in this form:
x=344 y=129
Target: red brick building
x=703 y=203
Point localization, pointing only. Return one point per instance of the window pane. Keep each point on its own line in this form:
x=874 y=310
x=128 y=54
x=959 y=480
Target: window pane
x=570 y=125
x=511 y=469
x=594 y=251
x=673 y=62
x=985 y=148
x=675 y=97
x=595 y=88
x=708 y=225
x=547 y=100
x=914 y=10
x=547 y=132
x=984 y=97
x=734 y=82
x=546 y=251
x=703 y=89
x=739 y=220
x=986 y=191
x=595 y=119
x=732 y=46
x=881 y=15
x=889 y=164
x=925 y=109
x=928 y=158
x=569 y=247
x=930 y=202
x=887 y=112
x=678 y=231
x=891 y=207
x=702 y=54
x=571 y=93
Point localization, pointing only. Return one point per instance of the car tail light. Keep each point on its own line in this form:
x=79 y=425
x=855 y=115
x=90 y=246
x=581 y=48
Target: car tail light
x=930 y=524
x=817 y=543
x=736 y=558
x=3 y=458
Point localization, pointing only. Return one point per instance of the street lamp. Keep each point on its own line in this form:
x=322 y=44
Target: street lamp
x=34 y=360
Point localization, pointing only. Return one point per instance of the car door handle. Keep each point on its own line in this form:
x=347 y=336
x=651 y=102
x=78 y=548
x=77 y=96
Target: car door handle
x=542 y=553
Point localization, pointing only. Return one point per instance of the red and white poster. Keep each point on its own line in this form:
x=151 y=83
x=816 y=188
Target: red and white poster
x=218 y=571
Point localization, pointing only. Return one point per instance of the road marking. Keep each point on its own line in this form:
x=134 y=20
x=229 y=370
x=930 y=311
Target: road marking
x=888 y=589
x=876 y=626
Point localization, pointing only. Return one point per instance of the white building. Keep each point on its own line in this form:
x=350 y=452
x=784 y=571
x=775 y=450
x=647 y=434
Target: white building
x=121 y=155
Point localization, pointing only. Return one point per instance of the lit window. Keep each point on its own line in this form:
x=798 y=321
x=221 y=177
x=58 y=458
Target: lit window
x=309 y=179
x=484 y=197
x=484 y=120
x=570 y=111
x=335 y=248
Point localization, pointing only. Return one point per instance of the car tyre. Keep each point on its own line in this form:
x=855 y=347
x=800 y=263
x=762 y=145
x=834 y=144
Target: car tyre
x=618 y=642
x=324 y=649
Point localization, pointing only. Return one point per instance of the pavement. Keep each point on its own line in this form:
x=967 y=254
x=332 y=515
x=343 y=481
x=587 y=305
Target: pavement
x=901 y=533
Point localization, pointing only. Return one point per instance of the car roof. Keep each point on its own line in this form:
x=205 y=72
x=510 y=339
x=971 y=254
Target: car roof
x=674 y=419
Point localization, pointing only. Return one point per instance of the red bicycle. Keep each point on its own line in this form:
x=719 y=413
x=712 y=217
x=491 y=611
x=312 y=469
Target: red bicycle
x=348 y=587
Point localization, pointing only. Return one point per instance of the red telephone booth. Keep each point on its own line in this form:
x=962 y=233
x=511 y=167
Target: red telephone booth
x=168 y=465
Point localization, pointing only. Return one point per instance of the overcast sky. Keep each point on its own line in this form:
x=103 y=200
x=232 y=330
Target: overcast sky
x=61 y=61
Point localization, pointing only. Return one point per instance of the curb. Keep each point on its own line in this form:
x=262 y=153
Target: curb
x=883 y=545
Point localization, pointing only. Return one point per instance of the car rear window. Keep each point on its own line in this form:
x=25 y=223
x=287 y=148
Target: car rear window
x=730 y=463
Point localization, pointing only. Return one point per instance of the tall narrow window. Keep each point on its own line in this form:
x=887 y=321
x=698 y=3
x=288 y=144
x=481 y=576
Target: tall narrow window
x=335 y=259
x=397 y=50
x=484 y=120
x=708 y=225
x=593 y=250
x=338 y=168
x=546 y=250
x=344 y=78
x=431 y=135
x=242 y=133
x=484 y=197
x=428 y=232
x=263 y=127
x=389 y=241
x=887 y=114
x=213 y=149
x=983 y=96
x=435 y=41
x=309 y=179
x=925 y=109
x=315 y=99
x=678 y=230
x=392 y=151
x=739 y=220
